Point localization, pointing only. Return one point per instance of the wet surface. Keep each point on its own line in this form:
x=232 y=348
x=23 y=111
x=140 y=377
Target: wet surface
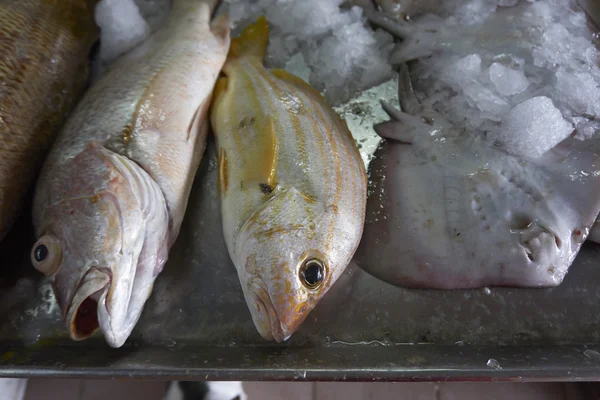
x=198 y=300
x=197 y=323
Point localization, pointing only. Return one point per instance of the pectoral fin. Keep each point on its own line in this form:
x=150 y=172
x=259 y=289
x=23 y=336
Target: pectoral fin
x=223 y=177
x=262 y=168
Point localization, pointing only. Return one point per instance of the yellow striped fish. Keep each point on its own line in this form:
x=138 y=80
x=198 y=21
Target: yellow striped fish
x=292 y=183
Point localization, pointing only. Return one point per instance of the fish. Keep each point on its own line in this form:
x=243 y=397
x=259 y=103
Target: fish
x=44 y=57
x=113 y=191
x=292 y=186
x=450 y=212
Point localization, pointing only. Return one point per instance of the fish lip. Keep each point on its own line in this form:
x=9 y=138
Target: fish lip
x=85 y=300
x=275 y=331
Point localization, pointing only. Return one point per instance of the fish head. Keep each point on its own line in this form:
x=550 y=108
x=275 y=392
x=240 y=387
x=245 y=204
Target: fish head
x=289 y=261
x=94 y=247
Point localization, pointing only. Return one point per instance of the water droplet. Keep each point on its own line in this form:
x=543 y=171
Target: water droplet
x=459 y=343
x=300 y=374
x=592 y=355
x=487 y=290
x=493 y=363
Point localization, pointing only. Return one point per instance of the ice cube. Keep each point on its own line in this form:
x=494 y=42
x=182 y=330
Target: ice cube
x=308 y=19
x=538 y=13
x=560 y=48
x=533 y=127
x=579 y=91
x=347 y=62
x=121 y=28
x=492 y=106
x=475 y=11
x=507 y=81
x=462 y=72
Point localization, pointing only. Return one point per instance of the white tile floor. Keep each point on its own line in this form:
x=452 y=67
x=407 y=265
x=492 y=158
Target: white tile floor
x=72 y=389
x=410 y=391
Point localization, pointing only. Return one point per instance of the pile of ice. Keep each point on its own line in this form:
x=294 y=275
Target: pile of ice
x=334 y=48
x=343 y=54
x=121 y=28
x=525 y=76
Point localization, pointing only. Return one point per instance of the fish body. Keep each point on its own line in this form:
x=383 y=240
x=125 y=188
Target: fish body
x=43 y=71
x=449 y=213
x=292 y=186
x=113 y=191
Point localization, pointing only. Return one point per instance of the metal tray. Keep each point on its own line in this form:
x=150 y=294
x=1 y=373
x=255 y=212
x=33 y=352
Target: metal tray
x=196 y=325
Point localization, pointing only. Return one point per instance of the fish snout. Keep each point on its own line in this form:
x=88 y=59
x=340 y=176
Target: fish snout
x=278 y=315
x=264 y=315
x=82 y=313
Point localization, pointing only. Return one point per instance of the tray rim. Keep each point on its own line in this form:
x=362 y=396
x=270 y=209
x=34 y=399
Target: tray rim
x=408 y=363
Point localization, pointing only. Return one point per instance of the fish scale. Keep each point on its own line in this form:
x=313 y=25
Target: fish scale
x=122 y=168
x=43 y=71
x=292 y=186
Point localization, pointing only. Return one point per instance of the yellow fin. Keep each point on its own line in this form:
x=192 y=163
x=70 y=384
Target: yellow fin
x=263 y=167
x=223 y=181
x=252 y=42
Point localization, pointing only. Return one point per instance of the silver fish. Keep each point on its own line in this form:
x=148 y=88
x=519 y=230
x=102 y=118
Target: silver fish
x=111 y=197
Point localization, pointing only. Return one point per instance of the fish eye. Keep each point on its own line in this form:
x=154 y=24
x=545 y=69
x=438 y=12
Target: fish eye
x=40 y=253
x=46 y=255
x=312 y=273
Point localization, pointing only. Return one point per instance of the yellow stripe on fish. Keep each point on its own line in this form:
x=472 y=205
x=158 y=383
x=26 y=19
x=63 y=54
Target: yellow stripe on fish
x=292 y=182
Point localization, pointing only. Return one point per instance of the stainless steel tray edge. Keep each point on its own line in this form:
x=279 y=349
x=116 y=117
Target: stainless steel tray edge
x=406 y=363
x=196 y=324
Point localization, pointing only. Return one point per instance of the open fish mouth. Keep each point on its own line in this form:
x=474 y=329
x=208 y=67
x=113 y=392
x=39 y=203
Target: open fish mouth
x=82 y=313
x=537 y=239
x=265 y=317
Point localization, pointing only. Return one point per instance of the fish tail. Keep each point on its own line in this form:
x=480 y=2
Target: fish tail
x=252 y=42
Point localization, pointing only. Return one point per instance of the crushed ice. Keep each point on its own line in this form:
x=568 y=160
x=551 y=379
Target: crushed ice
x=122 y=27
x=523 y=77
x=522 y=74
x=344 y=55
